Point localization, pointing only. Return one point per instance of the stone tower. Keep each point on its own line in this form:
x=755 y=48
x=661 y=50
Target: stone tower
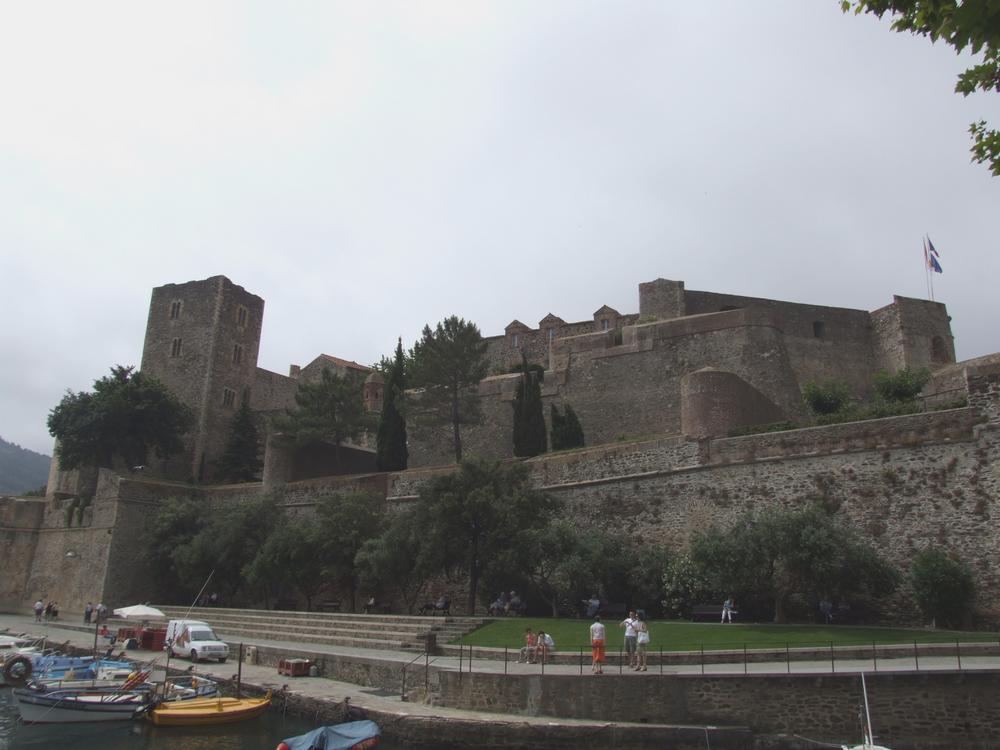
x=202 y=340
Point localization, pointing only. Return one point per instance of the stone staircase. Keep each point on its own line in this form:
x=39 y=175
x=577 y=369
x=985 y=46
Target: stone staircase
x=388 y=632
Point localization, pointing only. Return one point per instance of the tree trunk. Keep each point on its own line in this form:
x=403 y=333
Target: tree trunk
x=779 y=609
x=456 y=433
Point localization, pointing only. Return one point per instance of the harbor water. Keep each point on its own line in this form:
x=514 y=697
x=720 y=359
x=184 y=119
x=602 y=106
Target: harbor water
x=263 y=733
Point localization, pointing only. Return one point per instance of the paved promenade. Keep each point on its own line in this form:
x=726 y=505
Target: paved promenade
x=309 y=694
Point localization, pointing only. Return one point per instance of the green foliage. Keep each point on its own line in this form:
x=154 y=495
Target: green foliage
x=329 y=411
x=972 y=25
x=240 y=461
x=391 y=453
x=448 y=363
x=287 y=560
x=685 y=585
x=529 y=422
x=343 y=524
x=391 y=561
x=904 y=386
x=776 y=555
x=470 y=519
x=127 y=415
x=566 y=429
x=943 y=587
x=827 y=397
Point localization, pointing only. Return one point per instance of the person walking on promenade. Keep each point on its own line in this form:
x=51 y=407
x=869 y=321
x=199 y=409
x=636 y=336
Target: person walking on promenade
x=727 y=609
x=630 y=636
x=39 y=608
x=597 y=646
x=88 y=612
x=641 y=643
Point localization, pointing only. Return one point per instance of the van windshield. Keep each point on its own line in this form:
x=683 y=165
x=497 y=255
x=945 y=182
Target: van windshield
x=203 y=634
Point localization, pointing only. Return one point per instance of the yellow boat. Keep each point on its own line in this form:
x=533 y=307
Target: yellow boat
x=206 y=711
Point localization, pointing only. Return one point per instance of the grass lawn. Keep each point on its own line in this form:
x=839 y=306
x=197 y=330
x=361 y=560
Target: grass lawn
x=679 y=635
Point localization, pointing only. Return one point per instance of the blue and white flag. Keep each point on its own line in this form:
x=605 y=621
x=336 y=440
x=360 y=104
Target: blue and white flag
x=931 y=255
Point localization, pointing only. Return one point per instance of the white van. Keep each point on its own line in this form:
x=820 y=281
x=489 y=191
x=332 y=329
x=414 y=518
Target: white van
x=195 y=639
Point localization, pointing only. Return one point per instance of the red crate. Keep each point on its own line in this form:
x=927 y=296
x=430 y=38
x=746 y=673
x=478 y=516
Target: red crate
x=294 y=667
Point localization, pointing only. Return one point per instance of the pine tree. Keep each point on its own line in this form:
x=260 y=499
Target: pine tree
x=240 y=462
x=391 y=453
x=529 y=422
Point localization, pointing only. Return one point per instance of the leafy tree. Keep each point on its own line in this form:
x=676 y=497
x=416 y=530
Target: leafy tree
x=240 y=461
x=329 y=411
x=288 y=559
x=175 y=523
x=471 y=517
x=777 y=554
x=566 y=429
x=448 y=363
x=904 y=386
x=529 y=422
x=391 y=452
x=826 y=397
x=226 y=542
x=686 y=584
x=392 y=560
x=943 y=587
x=963 y=24
x=127 y=415
x=343 y=524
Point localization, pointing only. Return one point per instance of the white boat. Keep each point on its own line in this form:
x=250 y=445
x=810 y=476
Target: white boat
x=868 y=738
x=39 y=705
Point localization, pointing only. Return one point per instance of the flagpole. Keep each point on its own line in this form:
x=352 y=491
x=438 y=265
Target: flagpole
x=927 y=272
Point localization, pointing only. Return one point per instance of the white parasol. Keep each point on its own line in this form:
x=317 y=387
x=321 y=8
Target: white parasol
x=140 y=612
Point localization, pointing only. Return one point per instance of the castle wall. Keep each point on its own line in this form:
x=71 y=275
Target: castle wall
x=714 y=402
x=19 y=522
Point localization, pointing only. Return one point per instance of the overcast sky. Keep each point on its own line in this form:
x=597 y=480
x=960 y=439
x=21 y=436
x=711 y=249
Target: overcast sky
x=369 y=167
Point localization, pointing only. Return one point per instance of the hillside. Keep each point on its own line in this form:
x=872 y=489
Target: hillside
x=21 y=470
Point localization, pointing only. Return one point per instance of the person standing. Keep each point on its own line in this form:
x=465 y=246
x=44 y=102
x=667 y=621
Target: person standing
x=597 y=646
x=630 y=637
x=88 y=612
x=641 y=643
x=727 y=610
x=39 y=608
x=528 y=649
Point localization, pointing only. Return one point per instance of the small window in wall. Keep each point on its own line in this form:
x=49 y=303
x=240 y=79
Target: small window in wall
x=175 y=309
x=241 y=316
x=605 y=324
x=552 y=335
x=237 y=354
x=175 y=348
x=819 y=329
x=228 y=397
x=513 y=340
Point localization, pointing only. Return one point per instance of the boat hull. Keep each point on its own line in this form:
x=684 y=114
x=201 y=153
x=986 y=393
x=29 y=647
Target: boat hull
x=65 y=708
x=207 y=712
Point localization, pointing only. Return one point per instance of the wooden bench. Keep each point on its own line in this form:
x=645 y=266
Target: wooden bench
x=333 y=605
x=709 y=612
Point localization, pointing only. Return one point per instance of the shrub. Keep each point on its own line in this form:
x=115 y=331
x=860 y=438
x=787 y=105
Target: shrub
x=827 y=397
x=905 y=385
x=943 y=587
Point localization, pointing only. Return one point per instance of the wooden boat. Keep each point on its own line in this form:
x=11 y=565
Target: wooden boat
x=207 y=711
x=351 y=735
x=38 y=704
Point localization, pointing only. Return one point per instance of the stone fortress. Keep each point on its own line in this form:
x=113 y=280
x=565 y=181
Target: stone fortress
x=658 y=393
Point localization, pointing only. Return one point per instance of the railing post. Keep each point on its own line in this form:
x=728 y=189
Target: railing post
x=461 y=649
x=958 y=654
x=874 y=658
x=621 y=661
x=703 y=658
x=916 y=657
x=833 y=663
x=788 y=659
x=744 y=657
x=581 y=659
x=427 y=670
x=505 y=659
x=661 y=659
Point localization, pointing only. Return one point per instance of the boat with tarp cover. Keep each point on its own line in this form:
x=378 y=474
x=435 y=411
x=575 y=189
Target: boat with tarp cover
x=351 y=735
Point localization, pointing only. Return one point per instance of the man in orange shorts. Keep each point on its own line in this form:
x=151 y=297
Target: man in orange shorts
x=597 y=646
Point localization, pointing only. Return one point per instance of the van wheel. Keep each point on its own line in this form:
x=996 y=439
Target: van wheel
x=194 y=656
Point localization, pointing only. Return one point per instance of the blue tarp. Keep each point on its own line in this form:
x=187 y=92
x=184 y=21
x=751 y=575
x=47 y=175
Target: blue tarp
x=334 y=737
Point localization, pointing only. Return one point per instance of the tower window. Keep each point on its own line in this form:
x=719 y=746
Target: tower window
x=513 y=340
x=605 y=324
x=175 y=348
x=228 y=397
x=819 y=329
x=241 y=316
x=552 y=335
x=175 y=309
x=237 y=354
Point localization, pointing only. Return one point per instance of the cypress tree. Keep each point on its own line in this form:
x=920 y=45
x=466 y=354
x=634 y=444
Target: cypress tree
x=529 y=422
x=566 y=429
x=391 y=452
x=558 y=423
x=240 y=462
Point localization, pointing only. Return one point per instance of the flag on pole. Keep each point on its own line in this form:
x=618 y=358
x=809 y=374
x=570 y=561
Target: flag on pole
x=931 y=255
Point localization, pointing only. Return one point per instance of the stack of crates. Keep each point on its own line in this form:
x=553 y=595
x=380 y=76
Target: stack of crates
x=294 y=667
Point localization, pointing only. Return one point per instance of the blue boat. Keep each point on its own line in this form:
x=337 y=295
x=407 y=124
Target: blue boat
x=351 y=735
